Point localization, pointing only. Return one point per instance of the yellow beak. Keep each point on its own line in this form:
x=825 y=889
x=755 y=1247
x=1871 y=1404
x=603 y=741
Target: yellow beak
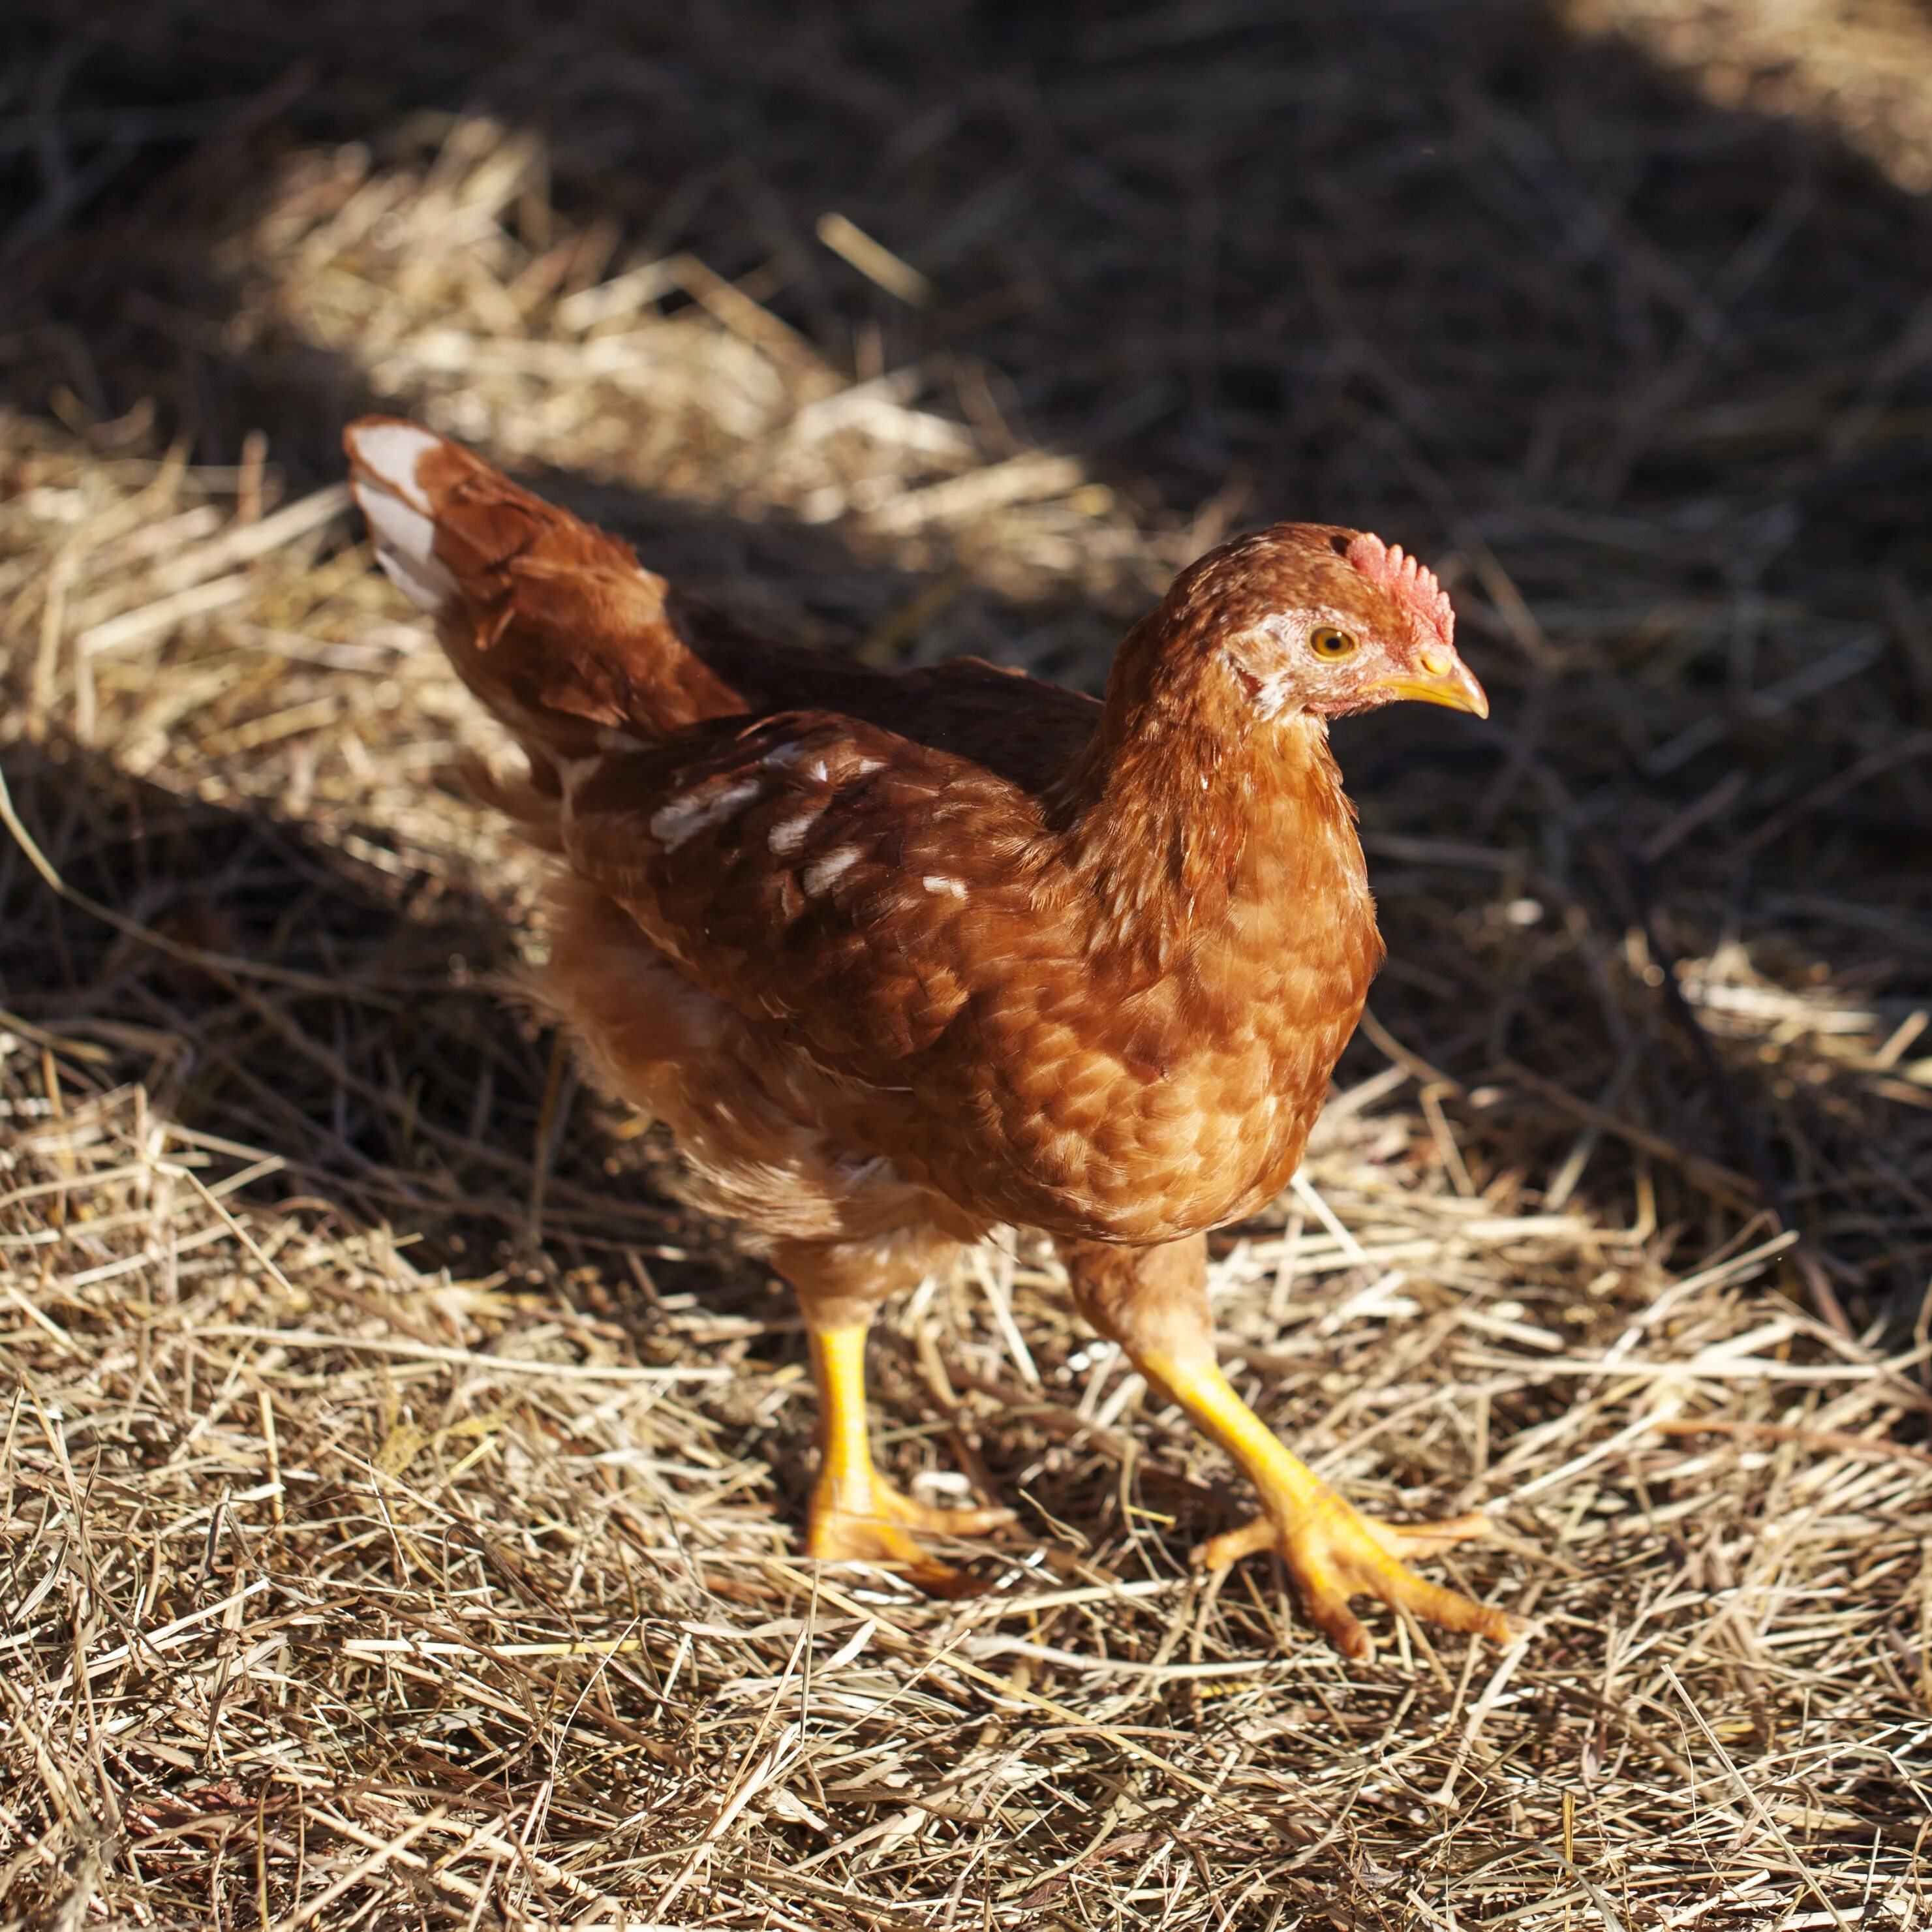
x=1443 y=679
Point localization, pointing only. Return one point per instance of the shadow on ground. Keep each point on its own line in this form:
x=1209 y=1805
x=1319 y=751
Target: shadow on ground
x=1650 y=372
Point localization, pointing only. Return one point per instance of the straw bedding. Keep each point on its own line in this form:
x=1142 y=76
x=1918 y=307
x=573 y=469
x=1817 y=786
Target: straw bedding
x=400 y=1487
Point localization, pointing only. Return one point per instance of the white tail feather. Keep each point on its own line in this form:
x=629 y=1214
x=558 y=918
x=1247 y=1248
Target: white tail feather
x=390 y=452
x=399 y=513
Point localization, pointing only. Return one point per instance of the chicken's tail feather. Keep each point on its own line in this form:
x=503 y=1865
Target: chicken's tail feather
x=553 y=624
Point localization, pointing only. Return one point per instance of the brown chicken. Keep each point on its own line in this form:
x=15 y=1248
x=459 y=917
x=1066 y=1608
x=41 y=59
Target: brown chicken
x=899 y=957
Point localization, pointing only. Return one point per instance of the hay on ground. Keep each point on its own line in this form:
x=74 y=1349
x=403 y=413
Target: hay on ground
x=400 y=1488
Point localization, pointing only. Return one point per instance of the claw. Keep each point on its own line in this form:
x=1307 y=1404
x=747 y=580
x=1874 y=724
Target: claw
x=878 y=1525
x=1334 y=1552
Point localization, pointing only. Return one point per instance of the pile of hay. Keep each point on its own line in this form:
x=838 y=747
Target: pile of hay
x=400 y=1488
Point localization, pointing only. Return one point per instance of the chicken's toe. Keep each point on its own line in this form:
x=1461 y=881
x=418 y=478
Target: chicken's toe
x=929 y=1519
x=877 y=1526
x=1333 y=1552
x=1427 y=1539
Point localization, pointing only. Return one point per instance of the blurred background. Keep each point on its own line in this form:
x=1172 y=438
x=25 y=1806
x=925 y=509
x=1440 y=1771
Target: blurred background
x=959 y=325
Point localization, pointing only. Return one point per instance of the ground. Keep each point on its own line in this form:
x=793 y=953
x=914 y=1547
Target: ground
x=402 y=1489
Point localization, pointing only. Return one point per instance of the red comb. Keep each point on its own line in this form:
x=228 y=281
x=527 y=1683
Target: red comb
x=1411 y=584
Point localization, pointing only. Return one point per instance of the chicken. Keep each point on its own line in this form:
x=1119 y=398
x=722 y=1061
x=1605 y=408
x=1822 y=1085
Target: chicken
x=901 y=957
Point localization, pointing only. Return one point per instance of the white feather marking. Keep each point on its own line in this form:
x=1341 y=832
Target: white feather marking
x=391 y=452
x=1271 y=700
x=697 y=812
x=405 y=546
x=935 y=882
x=788 y=834
x=801 y=756
x=819 y=877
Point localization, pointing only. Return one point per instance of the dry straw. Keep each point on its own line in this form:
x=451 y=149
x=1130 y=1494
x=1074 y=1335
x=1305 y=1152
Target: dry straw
x=401 y=1489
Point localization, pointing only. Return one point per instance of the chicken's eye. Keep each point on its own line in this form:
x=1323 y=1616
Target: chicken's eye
x=1327 y=642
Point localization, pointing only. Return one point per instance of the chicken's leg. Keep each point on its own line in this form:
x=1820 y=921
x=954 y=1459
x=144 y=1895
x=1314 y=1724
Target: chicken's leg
x=1153 y=1302
x=856 y=1516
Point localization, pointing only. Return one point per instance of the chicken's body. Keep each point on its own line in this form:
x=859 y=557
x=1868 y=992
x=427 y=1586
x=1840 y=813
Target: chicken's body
x=898 y=958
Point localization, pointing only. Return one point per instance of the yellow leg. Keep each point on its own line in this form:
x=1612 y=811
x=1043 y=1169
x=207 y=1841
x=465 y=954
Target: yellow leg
x=1153 y=1302
x=856 y=1516
x=1332 y=1551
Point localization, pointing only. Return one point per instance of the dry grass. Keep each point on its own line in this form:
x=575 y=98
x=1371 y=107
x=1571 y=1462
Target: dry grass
x=400 y=1488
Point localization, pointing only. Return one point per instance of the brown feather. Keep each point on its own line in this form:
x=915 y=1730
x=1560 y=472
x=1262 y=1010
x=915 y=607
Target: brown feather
x=932 y=950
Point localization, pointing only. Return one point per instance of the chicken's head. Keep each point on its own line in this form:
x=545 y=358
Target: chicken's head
x=1309 y=618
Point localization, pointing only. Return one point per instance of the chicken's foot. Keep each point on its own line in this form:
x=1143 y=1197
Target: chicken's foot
x=1332 y=1552
x=856 y=1516
x=1153 y=1302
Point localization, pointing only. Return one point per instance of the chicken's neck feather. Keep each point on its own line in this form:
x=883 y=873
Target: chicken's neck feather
x=1186 y=793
